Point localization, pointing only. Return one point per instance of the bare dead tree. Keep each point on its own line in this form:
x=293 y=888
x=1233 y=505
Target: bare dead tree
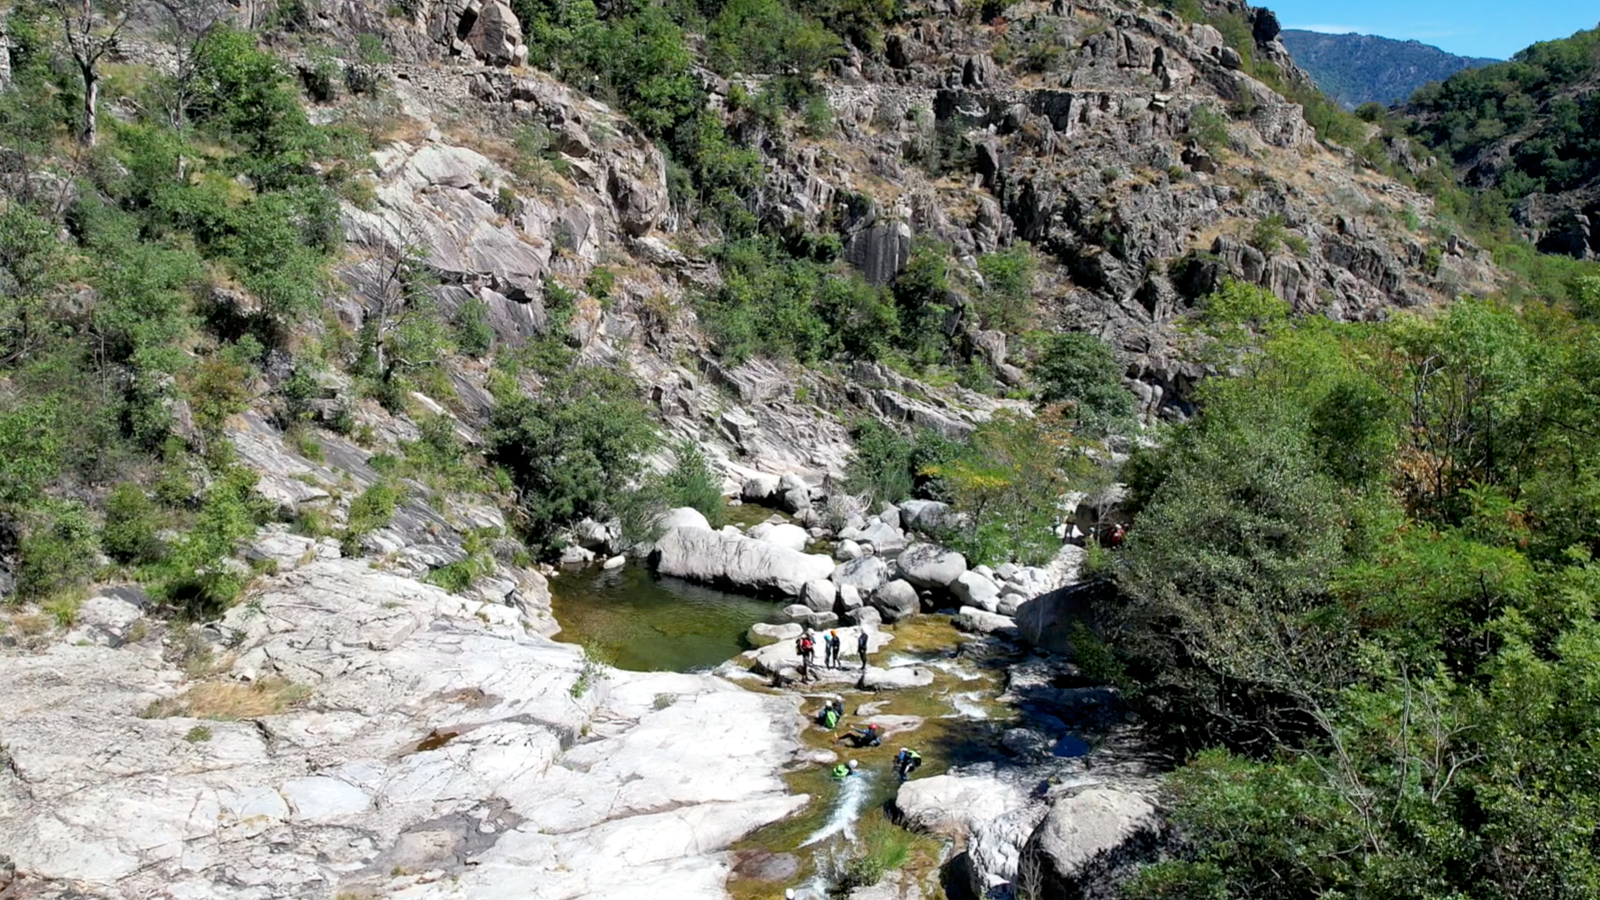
x=91 y=28
x=399 y=309
x=187 y=22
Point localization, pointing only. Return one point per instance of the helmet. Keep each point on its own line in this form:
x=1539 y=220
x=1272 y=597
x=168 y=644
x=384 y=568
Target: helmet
x=872 y=726
x=788 y=894
x=904 y=750
x=853 y=765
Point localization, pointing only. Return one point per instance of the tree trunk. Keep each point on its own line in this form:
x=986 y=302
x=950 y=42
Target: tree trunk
x=91 y=100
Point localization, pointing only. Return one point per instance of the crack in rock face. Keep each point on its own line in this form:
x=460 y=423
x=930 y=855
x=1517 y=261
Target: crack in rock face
x=346 y=793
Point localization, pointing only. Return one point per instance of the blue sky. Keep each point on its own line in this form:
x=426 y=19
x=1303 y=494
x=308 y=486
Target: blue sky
x=1494 y=28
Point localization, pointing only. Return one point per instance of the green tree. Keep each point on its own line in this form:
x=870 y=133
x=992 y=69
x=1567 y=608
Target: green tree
x=132 y=523
x=1081 y=370
x=1007 y=486
x=57 y=550
x=573 y=452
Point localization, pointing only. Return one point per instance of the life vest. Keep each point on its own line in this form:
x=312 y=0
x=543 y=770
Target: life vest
x=830 y=717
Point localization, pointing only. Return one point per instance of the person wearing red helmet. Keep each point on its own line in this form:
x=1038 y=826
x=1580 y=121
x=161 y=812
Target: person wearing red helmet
x=870 y=736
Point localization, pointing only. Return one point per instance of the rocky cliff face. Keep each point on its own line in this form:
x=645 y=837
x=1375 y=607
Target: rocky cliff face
x=1127 y=144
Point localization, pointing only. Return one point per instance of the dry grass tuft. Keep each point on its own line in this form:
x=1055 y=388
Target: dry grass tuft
x=230 y=701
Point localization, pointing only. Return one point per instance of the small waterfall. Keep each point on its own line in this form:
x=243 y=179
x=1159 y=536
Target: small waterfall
x=853 y=794
x=967 y=705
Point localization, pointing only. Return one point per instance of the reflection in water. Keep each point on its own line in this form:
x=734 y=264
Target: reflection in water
x=644 y=623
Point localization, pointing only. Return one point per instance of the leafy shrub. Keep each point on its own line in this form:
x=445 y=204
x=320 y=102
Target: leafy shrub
x=1209 y=128
x=691 y=482
x=775 y=305
x=1007 y=485
x=374 y=508
x=1006 y=301
x=57 y=550
x=199 y=577
x=474 y=333
x=890 y=467
x=767 y=36
x=573 y=452
x=1081 y=370
x=132 y=521
x=923 y=299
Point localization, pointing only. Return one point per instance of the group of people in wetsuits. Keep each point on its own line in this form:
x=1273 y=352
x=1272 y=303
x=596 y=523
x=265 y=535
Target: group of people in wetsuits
x=806 y=646
x=906 y=761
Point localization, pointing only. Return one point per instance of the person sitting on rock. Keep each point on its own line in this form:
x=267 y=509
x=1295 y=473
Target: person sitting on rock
x=869 y=736
x=906 y=762
x=829 y=717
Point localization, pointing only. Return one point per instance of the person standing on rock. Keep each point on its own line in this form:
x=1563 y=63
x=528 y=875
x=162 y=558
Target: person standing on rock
x=808 y=653
x=831 y=658
x=861 y=648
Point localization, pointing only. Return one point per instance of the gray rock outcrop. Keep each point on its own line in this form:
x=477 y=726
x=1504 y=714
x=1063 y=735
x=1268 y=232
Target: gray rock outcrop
x=1088 y=835
x=738 y=562
x=930 y=566
x=439 y=751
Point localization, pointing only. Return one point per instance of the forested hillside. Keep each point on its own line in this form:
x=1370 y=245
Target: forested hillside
x=1523 y=132
x=1359 y=68
x=1361 y=588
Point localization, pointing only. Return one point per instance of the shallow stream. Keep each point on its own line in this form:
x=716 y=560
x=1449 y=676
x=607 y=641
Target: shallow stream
x=641 y=622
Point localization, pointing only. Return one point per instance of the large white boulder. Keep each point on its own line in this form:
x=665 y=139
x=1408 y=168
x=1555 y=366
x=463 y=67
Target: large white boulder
x=952 y=804
x=820 y=595
x=759 y=488
x=792 y=537
x=896 y=600
x=975 y=619
x=1089 y=833
x=682 y=517
x=885 y=539
x=763 y=634
x=738 y=562
x=930 y=566
x=927 y=516
x=865 y=574
x=973 y=589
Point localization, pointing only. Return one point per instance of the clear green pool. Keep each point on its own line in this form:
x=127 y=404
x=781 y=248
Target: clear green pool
x=645 y=623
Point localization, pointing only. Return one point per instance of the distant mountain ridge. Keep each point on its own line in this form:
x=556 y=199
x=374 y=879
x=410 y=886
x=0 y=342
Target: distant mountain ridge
x=1358 y=68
